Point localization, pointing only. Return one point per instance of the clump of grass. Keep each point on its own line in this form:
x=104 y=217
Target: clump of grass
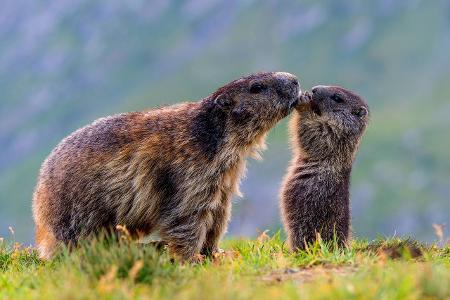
x=13 y=255
x=97 y=256
x=398 y=248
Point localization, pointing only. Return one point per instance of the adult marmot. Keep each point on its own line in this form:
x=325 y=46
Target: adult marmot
x=170 y=170
x=325 y=132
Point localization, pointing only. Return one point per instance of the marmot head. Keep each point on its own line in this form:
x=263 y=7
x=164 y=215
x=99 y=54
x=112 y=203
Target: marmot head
x=332 y=120
x=248 y=107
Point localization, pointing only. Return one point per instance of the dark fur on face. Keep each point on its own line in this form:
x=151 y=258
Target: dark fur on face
x=171 y=170
x=326 y=131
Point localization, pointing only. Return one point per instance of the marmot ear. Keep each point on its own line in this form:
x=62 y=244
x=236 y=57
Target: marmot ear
x=223 y=101
x=361 y=112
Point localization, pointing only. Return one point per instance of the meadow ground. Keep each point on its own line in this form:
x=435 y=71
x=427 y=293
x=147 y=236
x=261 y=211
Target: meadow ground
x=249 y=269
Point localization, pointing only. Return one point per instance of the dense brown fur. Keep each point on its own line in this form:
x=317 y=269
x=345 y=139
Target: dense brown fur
x=326 y=131
x=170 y=170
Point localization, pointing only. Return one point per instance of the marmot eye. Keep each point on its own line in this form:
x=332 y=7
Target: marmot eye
x=336 y=98
x=257 y=88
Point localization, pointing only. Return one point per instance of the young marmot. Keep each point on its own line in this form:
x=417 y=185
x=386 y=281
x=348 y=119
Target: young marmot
x=170 y=171
x=325 y=134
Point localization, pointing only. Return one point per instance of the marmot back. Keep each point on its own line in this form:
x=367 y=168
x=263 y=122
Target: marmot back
x=170 y=170
x=326 y=131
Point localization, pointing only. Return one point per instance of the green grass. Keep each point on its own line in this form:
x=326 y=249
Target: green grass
x=249 y=269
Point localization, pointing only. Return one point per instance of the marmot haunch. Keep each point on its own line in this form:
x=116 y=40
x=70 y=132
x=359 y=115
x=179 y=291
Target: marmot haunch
x=325 y=133
x=171 y=170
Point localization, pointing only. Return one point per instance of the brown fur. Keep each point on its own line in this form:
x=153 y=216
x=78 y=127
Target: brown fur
x=325 y=131
x=171 y=170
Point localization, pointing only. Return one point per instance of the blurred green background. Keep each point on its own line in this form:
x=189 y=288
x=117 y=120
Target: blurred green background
x=65 y=63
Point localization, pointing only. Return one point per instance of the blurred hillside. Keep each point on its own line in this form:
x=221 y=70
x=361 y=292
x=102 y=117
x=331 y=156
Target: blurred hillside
x=65 y=63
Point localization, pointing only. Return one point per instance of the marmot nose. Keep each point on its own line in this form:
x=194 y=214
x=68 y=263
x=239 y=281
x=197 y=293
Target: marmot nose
x=316 y=89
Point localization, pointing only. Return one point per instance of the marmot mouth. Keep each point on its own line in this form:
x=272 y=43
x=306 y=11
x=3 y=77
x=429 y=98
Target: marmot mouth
x=305 y=97
x=303 y=101
x=311 y=99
